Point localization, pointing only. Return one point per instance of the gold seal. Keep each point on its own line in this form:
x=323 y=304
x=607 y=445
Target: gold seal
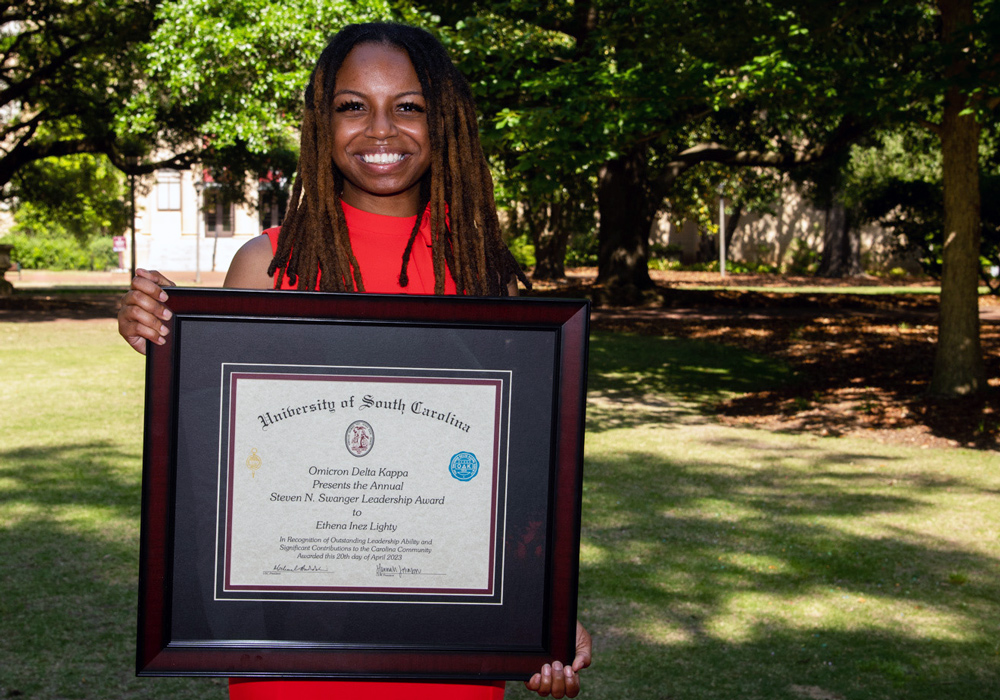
x=253 y=462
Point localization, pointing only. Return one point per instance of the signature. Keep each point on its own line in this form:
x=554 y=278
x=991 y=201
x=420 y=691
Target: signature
x=298 y=569
x=399 y=571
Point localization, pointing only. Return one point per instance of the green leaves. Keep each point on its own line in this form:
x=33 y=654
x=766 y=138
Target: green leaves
x=82 y=195
x=233 y=71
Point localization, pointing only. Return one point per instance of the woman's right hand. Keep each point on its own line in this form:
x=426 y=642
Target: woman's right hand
x=142 y=310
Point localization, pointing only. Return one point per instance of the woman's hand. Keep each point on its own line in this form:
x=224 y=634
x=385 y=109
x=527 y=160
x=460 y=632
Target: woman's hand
x=142 y=310
x=558 y=680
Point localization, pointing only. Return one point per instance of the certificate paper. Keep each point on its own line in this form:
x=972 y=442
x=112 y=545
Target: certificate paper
x=350 y=480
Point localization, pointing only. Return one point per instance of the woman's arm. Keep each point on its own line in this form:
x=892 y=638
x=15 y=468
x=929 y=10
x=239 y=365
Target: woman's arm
x=143 y=309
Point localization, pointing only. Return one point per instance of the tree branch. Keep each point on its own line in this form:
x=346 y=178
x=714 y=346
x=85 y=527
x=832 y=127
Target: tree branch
x=181 y=161
x=932 y=127
x=846 y=133
x=25 y=153
x=31 y=125
x=15 y=48
x=18 y=90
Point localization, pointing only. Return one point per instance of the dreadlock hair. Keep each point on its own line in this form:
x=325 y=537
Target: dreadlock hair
x=465 y=232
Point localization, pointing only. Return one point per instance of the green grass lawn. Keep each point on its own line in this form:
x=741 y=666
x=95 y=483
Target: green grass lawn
x=716 y=563
x=71 y=410
x=833 y=289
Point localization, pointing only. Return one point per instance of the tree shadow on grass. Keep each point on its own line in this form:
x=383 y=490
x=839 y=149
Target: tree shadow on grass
x=68 y=615
x=72 y=474
x=668 y=378
x=789 y=664
x=705 y=580
x=69 y=541
x=863 y=361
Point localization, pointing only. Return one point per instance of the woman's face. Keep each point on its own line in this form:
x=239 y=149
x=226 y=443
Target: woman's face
x=380 y=138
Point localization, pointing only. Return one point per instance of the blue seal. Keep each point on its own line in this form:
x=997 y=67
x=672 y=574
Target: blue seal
x=464 y=466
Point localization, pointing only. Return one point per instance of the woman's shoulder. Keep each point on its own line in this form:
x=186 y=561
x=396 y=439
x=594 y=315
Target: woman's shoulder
x=249 y=267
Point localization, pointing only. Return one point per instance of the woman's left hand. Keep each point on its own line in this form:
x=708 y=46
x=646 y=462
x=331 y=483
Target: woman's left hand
x=563 y=681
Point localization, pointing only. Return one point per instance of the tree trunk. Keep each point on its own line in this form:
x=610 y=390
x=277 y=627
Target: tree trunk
x=841 y=248
x=551 y=237
x=626 y=217
x=958 y=363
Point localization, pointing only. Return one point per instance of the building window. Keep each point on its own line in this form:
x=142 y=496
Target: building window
x=272 y=207
x=168 y=190
x=218 y=214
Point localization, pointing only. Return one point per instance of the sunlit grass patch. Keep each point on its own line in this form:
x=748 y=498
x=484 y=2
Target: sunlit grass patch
x=71 y=410
x=806 y=562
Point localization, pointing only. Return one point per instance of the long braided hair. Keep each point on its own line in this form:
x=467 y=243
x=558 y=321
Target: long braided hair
x=465 y=233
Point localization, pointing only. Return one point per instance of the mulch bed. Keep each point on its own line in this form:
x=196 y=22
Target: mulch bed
x=863 y=361
x=30 y=306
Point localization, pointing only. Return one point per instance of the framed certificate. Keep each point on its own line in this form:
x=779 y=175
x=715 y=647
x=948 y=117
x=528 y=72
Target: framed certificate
x=361 y=486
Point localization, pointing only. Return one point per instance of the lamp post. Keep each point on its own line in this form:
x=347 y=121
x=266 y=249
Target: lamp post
x=722 y=233
x=131 y=191
x=199 y=185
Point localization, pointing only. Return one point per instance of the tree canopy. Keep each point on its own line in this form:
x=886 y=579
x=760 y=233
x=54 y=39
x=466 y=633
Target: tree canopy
x=82 y=195
x=634 y=93
x=227 y=76
x=65 y=69
x=159 y=83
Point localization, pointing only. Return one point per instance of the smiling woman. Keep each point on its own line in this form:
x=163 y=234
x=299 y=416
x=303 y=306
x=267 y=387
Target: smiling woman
x=393 y=195
x=386 y=106
x=381 y=143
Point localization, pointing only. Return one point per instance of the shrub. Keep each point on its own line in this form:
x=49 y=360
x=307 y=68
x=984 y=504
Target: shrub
x=803 y=260
x=64 y=253
x=708 y=266
x=757 y=268
x=665 y=257
x=102 y=254
x=582 y=251
x=664 y=264
x=671 y=251
x=523 y=250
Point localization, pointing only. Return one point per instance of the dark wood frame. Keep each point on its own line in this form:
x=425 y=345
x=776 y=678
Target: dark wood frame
x=159 y=654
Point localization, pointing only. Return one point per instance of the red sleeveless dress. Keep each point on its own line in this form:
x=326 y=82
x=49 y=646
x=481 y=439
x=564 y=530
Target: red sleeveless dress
x=378 y=242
